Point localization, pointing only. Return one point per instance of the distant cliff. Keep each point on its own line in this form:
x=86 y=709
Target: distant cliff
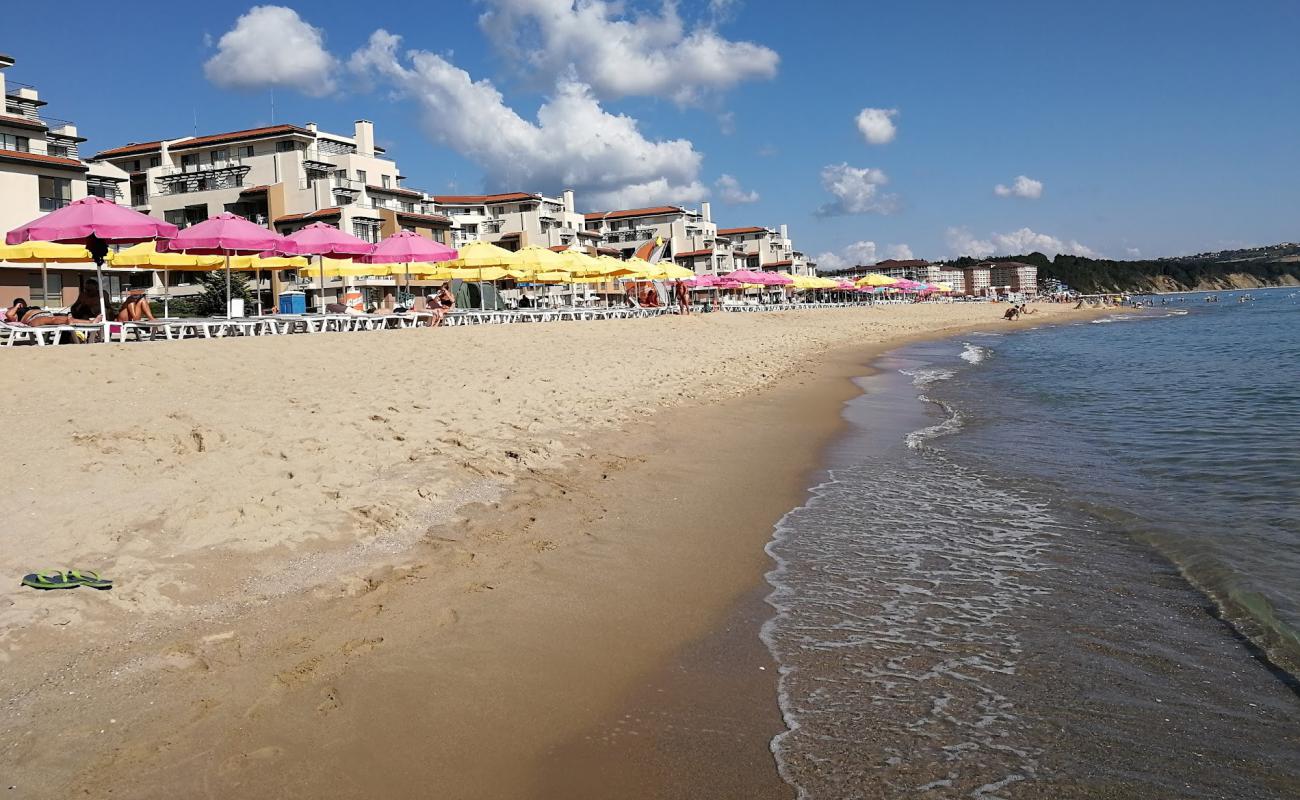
x=1278 y=265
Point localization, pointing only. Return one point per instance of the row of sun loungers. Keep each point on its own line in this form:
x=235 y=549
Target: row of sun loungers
x=283 y=324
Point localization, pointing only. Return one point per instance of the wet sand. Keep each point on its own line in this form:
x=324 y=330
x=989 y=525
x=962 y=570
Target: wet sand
x=552 y=635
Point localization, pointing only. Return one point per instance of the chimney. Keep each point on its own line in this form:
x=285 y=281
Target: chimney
x=311 y=126
x=568 y=201
x=785 y=233
x=365 y=136
x=706 y=211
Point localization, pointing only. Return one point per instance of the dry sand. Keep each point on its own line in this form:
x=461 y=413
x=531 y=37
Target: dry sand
x=357 y=564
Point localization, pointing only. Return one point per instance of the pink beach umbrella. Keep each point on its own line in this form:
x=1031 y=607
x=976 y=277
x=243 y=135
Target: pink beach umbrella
x=228 y=235
x=408 y=247
x=96 y=223
x=321 y=240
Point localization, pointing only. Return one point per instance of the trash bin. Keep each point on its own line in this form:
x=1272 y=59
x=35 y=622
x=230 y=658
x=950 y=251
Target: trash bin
x=293 y=303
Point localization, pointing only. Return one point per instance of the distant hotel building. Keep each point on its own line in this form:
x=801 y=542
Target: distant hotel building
x=976 y=280
x=764 y=249
x=516 y=219
x=41 y=170
x=693 y=240
x=284 y=177
x=663 y=233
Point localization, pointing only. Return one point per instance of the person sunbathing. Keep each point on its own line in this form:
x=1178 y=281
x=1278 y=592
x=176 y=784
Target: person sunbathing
x=135 y=308
x=22 y=313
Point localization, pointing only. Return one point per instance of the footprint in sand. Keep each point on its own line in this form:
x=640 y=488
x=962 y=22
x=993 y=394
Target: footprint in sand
x=330 y=701
x=243 y=761
x=356 y=647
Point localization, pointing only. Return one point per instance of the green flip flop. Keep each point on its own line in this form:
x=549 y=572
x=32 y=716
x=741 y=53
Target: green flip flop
x=88 y=578
x=52 y=579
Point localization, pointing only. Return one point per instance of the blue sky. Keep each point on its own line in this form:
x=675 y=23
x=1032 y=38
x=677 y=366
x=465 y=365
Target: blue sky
x=1157 y=128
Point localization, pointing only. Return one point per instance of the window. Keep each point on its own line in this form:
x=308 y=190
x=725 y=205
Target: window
x=246 y=151
x=219 y=156
x=58 y=150
x=135 y=166
x=284 y=147
x=155 y=161
x=38 y=293
x=188 y=161
x=387 y=181
x=361 y=176
x=55 y=193
x=19 y=144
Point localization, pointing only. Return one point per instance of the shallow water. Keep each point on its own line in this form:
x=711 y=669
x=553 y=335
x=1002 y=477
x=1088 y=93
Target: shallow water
x=970 y=605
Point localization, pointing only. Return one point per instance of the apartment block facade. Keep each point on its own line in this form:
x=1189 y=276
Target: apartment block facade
x=40 y=171
x=665 y=233
x=758 y=248
x=515 y=219
x=284 y=177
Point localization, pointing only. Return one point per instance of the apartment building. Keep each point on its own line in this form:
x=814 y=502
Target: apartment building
x=1014 y=276
x=41 y=170
x=665 y=233
x=759 y=248
x=282 y=176
x=515 y=219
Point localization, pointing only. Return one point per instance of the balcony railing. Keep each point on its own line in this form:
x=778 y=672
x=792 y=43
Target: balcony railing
x=204 y=166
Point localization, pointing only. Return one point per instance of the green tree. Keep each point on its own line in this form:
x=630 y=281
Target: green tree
x=211 y=299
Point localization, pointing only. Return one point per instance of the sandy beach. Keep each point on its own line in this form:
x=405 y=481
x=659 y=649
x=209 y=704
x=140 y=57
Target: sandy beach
x=516 y=561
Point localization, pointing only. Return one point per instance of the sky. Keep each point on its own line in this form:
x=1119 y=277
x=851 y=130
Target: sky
x=873 y=129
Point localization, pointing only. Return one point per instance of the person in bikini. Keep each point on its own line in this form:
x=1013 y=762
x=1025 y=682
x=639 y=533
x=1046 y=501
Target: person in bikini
x=135 y=308
x=443 y=302
x=22 y=313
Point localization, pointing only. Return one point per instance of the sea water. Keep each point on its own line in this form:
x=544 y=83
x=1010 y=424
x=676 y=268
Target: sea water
x=1055 y=563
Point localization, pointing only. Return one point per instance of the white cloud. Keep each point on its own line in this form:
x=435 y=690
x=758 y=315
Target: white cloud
x=727 y=123
x=877 y=125
x=573 y=143
x=768 y=151
x=272 y=46
x=1132 y=252
x=963 y=243
x=861 y=254
x=730 y=191
x=856 y=191
x=1022 y=186
x=901 y=252
x=620 y=54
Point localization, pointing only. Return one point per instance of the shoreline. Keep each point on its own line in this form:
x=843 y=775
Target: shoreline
x=269 y=698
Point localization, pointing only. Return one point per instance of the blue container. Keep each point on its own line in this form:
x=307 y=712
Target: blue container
x=293 y=303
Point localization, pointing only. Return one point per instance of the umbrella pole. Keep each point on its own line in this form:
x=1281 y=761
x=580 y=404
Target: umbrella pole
x=228 y=314
x=103 y=309
x=259 y=291
x=167 y=312
x=320 y=261
x=45 y=286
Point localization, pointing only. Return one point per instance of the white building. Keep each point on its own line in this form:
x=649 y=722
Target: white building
x=758 y=248
x=515 y=219
x=284 y=177
x=665 y=233
x=40 y=171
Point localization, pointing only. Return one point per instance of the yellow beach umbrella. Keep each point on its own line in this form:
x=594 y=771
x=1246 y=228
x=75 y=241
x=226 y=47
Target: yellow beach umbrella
x=540 y=258
x=579 y=263
x=146 y=255
x=640 y=268
x=613 y=267
x=51 y=252
x=876 y=279
x=667 y=270
x=44 y=253
x=483 y=254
